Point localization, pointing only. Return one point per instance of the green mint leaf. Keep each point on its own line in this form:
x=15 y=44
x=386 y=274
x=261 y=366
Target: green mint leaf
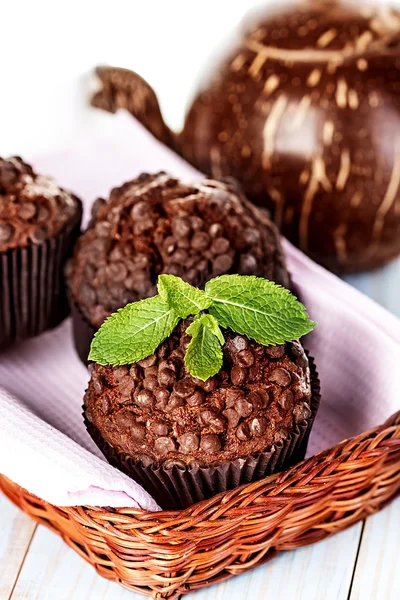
x=206 y=321
x=257 y=308
x=203 y=357
x=184 y=298
x=133 y=332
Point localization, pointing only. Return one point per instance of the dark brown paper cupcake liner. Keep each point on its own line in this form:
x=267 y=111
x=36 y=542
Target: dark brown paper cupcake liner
x=178 y=487
x=32 y=293
x=82 y=330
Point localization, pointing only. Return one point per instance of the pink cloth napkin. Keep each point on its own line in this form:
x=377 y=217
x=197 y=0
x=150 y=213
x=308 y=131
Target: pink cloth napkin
x=44 y=446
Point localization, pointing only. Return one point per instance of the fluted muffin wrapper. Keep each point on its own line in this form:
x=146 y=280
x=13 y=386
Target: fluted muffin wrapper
x=176 y=487
x=82 y=330
x=32 y=293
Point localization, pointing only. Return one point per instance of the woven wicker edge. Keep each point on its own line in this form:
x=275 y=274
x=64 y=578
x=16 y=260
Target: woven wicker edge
x=169 y=553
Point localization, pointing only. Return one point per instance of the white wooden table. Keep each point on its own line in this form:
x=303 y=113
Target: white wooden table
x=361 y=563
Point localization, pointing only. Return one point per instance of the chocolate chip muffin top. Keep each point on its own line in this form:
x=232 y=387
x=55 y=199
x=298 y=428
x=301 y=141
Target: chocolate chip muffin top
x=32 y=207
x=155 y=224
x=156 y=412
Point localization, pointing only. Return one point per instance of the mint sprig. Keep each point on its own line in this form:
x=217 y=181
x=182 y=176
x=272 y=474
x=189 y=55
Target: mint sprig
x=134 y=332
x=251 y=306
x=183 y=297
x=257 y=308
x=203 y=357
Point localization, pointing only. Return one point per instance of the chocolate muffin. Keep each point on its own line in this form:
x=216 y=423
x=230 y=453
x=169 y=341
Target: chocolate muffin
x=185 y=439
x=156 y=224
x=39 y=223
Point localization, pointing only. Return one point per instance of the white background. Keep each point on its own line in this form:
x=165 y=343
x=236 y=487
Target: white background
x=48 y=49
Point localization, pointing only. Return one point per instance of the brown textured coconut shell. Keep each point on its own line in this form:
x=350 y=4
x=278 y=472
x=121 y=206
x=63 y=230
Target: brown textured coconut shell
x=304 y=111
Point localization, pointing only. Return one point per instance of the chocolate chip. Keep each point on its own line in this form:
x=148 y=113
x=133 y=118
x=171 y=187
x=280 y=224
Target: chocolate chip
x=237 y=344
x=6 y=232
x=126 y=385
x=143 y=225
x=149 y=361
x=117 y=272
x=200 y=240
x=232 y=416
x=134 y=372
x=257 y=426
x=137 y=431
x=222 y=264
x=275 y=351
x=168 y=364
x=196 y=223
x=189 y=442
x=169 y=245
x=125 y=419
x=159 y=429
x=37 y=236
x=140 y=210
x=117 y=253
x=27 y=210
x=238 y=375
x=251 y=236
x=177 y=355
x=213 y=420
x=166 y=377
x=97 y=204
x=180 y=226
x=244 y=358
x=220 y=246
x=102 y=229
x=301 y=412
x=150 y=383
x=215 y=230
x=179 y=256
x=286 y=399
x=231 y=396
x=280 y=376
x=242 y=432
x=120 y=372
x=175 y=401
x=43 y=213
x=210 y=443
x=183 y=242
x=151 y=371
x=210 y=385
x=247 y=264
x=8 y=173
x=259 y=398
x=162 y=397
x=144 y=399
x=196 y=399
x=164 y=444
x=184 y=388
x=243 y=407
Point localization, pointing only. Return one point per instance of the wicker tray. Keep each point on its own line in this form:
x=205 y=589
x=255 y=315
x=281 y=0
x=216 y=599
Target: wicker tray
x=168 y=553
